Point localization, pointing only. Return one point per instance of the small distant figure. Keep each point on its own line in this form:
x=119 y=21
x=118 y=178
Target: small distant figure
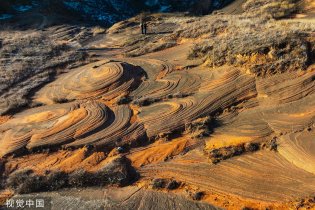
x=144 y=27
x=143 y=23
x=141 y=26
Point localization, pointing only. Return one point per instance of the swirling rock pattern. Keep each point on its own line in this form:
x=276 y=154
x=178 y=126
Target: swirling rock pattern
x=103 y=79
x=170 y=85
x=72 y=124
x=97 y=105
x=265 y=176
x=172 y=115
x=118 y=131
x=82 y=122
x=286 y=88
x=298 y=148
x=52 y=125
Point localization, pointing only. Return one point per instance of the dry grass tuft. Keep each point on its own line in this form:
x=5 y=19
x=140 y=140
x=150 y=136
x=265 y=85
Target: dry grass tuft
x=274 y=8
x=27 y=61
x=260 y=45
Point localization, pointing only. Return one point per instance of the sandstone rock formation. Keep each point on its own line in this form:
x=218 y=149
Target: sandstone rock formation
x=220 y=105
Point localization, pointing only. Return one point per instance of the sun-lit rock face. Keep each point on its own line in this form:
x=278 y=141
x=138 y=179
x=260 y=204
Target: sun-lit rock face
x=104 y=79
x=232 y=126
x=84 y=121
x=56 y=124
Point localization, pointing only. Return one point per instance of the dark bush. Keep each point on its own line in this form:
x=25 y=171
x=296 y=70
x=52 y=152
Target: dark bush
x=199 y=128
x=81 y=178
x=173 y=184
x=118 y=172
x=124 y=100
x=25 y=181
x=158 y=183
x=232 y=151
x=216 y=155
x=56 y=180
x=273 y=145
x=145 y=101
x=61 y=100
x=251 y=147
x=198 y=195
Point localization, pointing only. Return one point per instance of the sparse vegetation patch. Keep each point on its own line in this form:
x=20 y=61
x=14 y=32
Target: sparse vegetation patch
x=118 y=172
x=27 y=61
x=217 y=155
x=264 y=49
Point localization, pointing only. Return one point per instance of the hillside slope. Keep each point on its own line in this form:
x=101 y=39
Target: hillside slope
x=106 y=12
x=210 y=112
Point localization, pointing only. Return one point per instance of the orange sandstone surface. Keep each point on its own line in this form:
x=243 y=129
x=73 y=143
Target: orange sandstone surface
x=169 y=116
